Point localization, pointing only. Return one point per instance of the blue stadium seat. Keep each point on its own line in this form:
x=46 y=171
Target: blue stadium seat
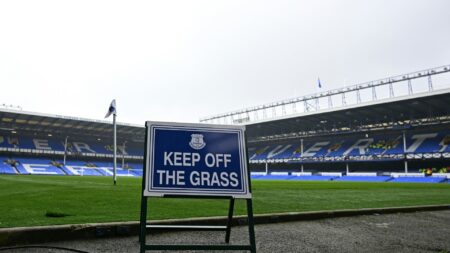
x=137 y=173
x=419 y=180
x=85 y=171
x=275 y=177
x=21 y=169
x=108 y=171
x=6 y=169
x=124 y=173
x=136 y=166
x=82 y=170
x=37 y=166
x=66 y=171
x=363 y=178
x=312 y=178
x=75 y=163
x=39 y=169
x=104 y=171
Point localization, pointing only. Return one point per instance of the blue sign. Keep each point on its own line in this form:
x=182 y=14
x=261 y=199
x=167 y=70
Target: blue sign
x=196 y=159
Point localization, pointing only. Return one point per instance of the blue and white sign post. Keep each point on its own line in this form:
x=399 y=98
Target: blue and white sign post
x=196 y=160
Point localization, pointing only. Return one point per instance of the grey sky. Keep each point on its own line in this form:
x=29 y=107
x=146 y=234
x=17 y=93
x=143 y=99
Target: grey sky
x=181 y=60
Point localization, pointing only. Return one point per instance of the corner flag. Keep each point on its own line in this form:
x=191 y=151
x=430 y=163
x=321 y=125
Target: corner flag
x=112 y=109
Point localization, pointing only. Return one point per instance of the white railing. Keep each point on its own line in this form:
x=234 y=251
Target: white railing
x=299 y=174
x=396 y=175
x=330 y=99
x=331 y=174
x=362 y=174
x=280 y=173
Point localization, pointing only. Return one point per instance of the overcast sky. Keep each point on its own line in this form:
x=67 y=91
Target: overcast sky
x=181 y=60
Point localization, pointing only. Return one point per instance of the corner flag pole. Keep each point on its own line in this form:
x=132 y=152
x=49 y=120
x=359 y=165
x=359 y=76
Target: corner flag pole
x=112 y=110
x=65 y=150
x=115 y=148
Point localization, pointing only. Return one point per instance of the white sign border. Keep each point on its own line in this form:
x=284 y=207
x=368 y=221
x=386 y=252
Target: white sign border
x=240 y=130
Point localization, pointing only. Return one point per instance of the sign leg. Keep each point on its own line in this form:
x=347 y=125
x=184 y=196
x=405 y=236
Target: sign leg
x=143 y=225
x=230 y=218
x=251 y=225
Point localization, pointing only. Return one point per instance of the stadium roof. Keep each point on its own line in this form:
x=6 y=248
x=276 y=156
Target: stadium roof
x=406 y=111
x=57 y=125
x=393 y=83
x=429 y=106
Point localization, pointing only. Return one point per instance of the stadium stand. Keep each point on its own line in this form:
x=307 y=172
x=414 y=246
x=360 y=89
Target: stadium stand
x=398 y=136
x=374 y=147
x=365 y=142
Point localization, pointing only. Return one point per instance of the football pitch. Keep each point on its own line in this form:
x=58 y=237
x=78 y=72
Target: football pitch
x=28 y=200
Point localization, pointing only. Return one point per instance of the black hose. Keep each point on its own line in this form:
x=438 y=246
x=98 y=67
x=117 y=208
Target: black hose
x=42 y=247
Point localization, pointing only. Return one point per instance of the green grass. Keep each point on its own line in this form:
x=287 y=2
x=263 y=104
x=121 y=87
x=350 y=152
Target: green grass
x=44 y=200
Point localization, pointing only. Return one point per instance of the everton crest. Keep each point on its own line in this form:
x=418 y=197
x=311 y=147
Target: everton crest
x=197 y=141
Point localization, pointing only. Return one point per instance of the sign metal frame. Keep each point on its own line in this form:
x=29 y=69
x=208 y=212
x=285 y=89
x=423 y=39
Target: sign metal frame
x=170 y=193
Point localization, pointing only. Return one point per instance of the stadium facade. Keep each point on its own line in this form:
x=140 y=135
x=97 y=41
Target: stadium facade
x=379 y=136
